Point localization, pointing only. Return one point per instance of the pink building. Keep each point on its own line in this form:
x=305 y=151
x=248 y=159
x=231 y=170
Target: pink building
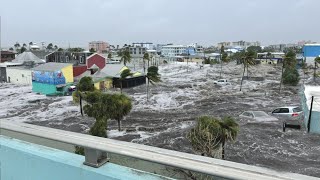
x=99 y=46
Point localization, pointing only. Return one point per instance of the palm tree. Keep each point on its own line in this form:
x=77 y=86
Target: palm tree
x=145 y=57
x=24 y=45
x=316 y=62
x=247 y=59
x=124 y=74
x=17 y=45
x=56 y=47
x=109 y=56
x=210 y=134
x=152 y=77
x=125 y=56
x=269 y=56
x=223 y=58
x=289 y=61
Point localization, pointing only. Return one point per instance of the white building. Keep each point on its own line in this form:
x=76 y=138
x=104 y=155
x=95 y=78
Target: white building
x=19 y=75
x=173 y=50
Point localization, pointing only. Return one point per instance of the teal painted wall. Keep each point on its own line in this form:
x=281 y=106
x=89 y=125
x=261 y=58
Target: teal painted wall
x=315 y=115
x=43 y=88
x=21 y=160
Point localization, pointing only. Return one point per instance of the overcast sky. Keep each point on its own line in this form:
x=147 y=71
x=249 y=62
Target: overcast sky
x=159 y=21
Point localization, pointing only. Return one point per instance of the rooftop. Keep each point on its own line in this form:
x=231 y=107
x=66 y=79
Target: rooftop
x=51 y=66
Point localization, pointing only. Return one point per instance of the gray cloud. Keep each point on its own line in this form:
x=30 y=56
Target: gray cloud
x=159 y=21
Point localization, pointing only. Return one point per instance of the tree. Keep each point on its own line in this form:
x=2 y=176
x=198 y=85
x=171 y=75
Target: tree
x=55 y=47
x=24 y=45
x=104 y=106
x=124 y=74
x=256 y=49
x=109 y=56
x=16 y=45
x=289 y=66
x=60 y=49
x=92 y=50
x=211 y=133
x=153 y=77
x=125 y=55
x=50 y=46
x=316 y=63
x=247 y=59
x=145 y=57
x=85 y=84
x=222 y=58
x=23 y=49
x=11 y=49
x=76 y=49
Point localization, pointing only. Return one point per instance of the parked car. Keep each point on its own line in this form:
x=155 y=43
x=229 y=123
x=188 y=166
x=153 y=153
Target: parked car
x=221 y=82
x=290 y=115
x=257 y=116
x=114 y=61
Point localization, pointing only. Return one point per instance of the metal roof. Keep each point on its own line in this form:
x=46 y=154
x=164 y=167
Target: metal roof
x=27 y=57
x=51 y=66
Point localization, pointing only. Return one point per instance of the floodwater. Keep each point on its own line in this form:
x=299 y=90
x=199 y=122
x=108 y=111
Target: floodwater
x=176 y=103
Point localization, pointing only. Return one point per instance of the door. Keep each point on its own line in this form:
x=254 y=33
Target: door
x=282 y=113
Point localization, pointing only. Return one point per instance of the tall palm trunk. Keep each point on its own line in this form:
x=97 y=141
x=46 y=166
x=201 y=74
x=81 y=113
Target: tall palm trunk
x=148 y=63
x=223 y=149
x=119 y=125
x=281 y=76
x=144 y=66
x=121 y=86
x=147 y=89
x=220 y=68
x=244 y=69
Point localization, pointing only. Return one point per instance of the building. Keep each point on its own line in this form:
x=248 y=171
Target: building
x=19 y=70
x=109 y=77
x=275 y=57
x=173 y=51
x=99 y=46
x=7 y=56
x=137 y=51
x=159 y=47
x=310 y=52
x=93 y=64
x=242 y=44
x=76 y=58
x=146 y=45
x=28 y=57
x=52 y=78
x=311 y=116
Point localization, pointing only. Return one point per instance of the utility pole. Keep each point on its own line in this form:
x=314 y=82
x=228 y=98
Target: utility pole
x=310 y=113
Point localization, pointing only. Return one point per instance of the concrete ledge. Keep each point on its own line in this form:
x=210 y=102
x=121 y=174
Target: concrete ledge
x=20 y=160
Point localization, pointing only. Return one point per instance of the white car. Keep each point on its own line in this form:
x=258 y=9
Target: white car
x=257 y=116
x=289 y=114
x=221 y=82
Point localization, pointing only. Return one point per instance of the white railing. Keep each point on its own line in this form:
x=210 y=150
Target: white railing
x=200 y=164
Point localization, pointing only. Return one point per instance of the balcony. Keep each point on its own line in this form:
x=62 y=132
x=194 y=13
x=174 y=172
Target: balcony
x=35 y=152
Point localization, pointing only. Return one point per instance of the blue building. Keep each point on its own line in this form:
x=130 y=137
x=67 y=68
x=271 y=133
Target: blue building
x=310 y=52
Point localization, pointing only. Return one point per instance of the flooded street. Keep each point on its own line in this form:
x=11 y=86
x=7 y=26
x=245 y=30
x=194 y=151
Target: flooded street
x=174 y=105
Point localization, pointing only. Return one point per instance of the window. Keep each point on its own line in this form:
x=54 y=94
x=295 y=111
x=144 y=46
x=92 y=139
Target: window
x=22 y=75
x=276 y=111
x=284 y=110
x=297 y=109
x=81 y=59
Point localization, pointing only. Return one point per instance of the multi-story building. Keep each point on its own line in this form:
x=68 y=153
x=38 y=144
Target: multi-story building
x=173 y=50
x=242 y=44
x=137 y=51
x=76 y=58
x=146 y=45
x=99 y=46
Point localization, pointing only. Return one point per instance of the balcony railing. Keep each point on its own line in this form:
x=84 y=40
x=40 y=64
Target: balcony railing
x=179 y=160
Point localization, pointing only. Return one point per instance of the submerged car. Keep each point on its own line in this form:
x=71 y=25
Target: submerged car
x=257 y=116
x=221 y=82
x=290 y=114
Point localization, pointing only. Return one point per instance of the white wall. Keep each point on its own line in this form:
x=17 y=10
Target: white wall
x=19 y=76
x=310 y=60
